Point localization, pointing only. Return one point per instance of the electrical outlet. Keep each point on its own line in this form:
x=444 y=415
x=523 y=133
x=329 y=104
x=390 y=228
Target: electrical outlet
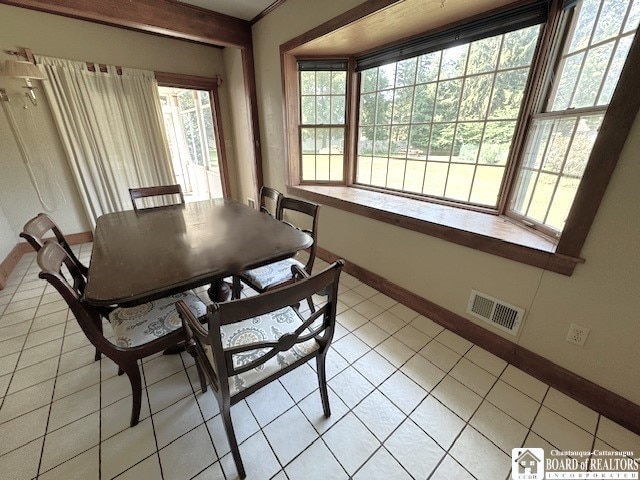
x=251 y=202
x=577 y=334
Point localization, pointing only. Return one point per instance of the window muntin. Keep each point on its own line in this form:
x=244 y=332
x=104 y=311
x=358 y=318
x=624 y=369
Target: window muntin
x=560 y=138
x=441 y=124
x=322 y=124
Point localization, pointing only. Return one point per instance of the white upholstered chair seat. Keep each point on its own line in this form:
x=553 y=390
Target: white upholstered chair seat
x=267 y=327
x=134 y=326
x=272 y=274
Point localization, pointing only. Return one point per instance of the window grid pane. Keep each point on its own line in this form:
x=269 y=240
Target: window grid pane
x=557 y=147
x=555 y=157
x=597 y=36
x=428 y=123
x=322 y=124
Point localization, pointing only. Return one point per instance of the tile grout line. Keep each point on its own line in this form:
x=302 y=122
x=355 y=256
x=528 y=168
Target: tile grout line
x=48 y=379
x=145 y=388
x=375 y=388
x=593 y=443
x=398 y=369
x=464 y=356
x=466 y=422
x=195 y=393
x=157 y=452
x=19 y=353
x=100 y=418
x=55 y=381
x=296 y=405
x=153 y=427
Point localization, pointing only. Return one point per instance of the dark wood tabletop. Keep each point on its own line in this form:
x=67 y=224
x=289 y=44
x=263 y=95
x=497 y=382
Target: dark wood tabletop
x=145 y=255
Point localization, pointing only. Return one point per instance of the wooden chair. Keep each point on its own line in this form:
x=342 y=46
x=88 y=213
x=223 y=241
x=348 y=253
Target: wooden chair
x=140 y=331
x=278 y=274
x=252 y=342
x=145 y=192
x=35 y=230
x=270 y=195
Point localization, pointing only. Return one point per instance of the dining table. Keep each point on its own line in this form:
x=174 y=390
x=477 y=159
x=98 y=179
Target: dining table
x=140 y=256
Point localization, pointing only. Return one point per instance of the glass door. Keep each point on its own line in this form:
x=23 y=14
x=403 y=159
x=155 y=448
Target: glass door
x=192 y=138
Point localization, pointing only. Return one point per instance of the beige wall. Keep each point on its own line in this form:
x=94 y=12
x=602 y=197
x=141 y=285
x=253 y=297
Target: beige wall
x=7 y=236
x=57 y=36
x=601 y=295
x=18 y=196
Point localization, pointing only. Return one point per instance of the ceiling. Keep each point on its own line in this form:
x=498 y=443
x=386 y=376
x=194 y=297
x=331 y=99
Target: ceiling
x=244 y=9
x=395 y=22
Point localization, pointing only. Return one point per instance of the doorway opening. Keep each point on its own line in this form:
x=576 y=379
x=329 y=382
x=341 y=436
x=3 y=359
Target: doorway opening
x=193 y=141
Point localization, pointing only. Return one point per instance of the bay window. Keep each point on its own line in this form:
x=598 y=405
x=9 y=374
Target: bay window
x=497 y=115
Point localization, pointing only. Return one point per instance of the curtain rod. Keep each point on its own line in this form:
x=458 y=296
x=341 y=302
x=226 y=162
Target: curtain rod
x=22 y=52
x=28 y=54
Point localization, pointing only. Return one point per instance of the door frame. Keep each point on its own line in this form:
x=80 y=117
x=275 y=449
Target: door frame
x=211 y=85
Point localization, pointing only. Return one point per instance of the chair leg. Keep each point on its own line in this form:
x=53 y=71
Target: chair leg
x=235 y=288
x=203 y=380
x=322 y=383
x=98 y=354
x=191 y=348
x=231 y=437
x=133 y=372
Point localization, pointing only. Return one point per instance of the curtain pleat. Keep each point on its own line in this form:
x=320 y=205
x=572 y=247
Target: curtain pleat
x=112 y=130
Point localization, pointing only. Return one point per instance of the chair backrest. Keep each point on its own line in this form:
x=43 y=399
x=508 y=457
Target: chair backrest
x=35 y=230
x=50 y=259
x=268 y=194
x=162 y=190
x=318 y=325
x=288 y=204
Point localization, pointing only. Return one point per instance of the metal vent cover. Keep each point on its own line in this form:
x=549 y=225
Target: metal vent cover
x=496 y=312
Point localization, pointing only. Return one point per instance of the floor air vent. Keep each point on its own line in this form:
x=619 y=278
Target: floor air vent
x=500 y=314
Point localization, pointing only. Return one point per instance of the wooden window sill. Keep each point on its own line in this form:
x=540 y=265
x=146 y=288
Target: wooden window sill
x=481 y=231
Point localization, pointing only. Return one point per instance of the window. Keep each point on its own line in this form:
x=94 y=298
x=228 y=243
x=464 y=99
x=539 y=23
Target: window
x=197 y=124
x=561 y=136
x=194 y=134
x=323 y=93
x=415 y=129
x=441 y=124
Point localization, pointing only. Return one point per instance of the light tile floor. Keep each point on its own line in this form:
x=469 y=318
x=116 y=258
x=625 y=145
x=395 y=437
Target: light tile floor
x=409 y=399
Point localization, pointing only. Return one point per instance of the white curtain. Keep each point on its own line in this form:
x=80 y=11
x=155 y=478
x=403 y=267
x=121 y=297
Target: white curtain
x=112 y=130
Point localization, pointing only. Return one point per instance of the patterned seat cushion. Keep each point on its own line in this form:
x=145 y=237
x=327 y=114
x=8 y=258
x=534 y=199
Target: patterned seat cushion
x=268 y=327
x=138 y=325
x=272 y=274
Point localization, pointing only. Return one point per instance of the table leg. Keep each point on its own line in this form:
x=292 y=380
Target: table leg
x=219 y=291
